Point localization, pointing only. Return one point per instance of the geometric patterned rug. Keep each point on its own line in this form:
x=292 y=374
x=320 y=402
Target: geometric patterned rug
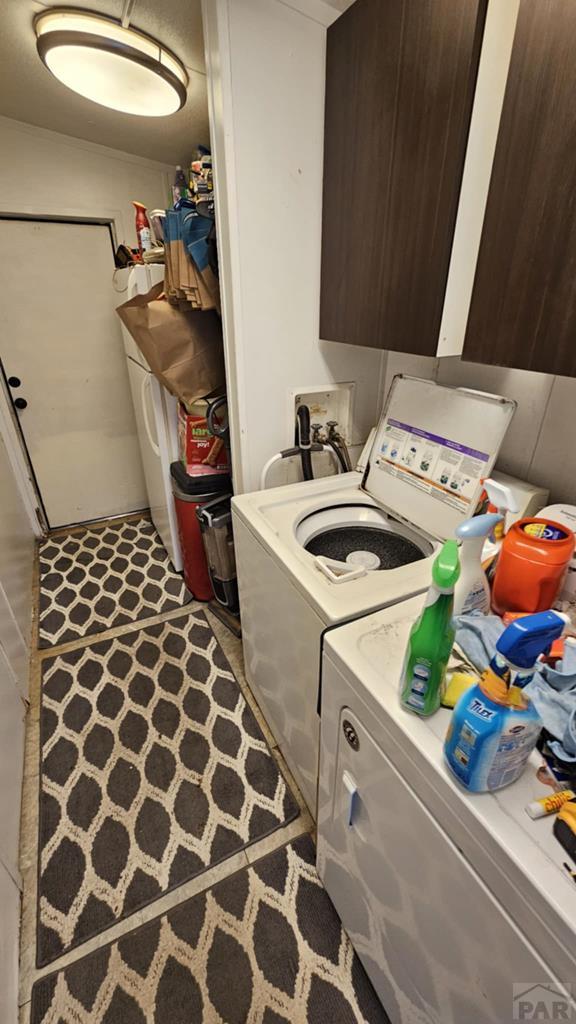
x=153 y=768
x=104 y=577
x=264 y=946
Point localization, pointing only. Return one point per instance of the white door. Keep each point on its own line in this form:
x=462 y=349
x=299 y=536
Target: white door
x=61 y=339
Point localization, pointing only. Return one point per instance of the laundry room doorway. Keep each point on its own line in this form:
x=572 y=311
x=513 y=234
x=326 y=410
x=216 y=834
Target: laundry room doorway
x=63 y=362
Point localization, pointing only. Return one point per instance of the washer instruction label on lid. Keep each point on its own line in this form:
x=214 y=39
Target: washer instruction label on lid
x=438 y=465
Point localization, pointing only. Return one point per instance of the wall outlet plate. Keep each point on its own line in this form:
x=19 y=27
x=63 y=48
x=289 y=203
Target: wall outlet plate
x=326 y=402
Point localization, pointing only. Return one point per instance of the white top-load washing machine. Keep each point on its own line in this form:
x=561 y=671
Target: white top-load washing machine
x=315 y=554
x=458 y=903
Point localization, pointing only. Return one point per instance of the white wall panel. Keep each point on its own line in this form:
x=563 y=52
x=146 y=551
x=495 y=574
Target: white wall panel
x=267 y=62
x=530 y=390
x=42 y=172
x=553 y=462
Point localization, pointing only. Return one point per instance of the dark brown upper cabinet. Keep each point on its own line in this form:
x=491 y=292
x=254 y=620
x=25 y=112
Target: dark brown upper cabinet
x=523 y=310
x=400 y=84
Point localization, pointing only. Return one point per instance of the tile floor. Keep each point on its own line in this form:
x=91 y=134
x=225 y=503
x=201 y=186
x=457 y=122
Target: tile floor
x=232 y=648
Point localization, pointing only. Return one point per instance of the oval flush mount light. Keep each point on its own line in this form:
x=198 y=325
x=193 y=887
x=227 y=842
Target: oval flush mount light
x=116 y=66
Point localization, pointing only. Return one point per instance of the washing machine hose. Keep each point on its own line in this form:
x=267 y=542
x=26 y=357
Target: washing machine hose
x=345 y=468
x=303 y=441
x=289 y=453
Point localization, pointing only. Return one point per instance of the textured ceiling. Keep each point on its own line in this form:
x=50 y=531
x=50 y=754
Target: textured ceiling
x=28 y=92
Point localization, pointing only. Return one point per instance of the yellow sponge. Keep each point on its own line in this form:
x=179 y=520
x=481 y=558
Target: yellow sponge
x=458 y=683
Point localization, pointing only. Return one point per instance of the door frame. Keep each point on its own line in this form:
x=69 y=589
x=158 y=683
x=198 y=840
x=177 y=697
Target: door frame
x=20 y=463
x=10 y=429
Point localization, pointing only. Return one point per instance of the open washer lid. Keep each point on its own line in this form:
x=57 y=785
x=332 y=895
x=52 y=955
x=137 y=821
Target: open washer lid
x=434 y=445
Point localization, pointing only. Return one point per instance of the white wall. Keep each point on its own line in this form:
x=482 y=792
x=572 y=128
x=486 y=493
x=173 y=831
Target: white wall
x=539 y=446
x=42 y=172
x=266 y=62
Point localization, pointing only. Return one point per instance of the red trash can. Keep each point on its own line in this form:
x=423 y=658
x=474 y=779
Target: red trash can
x=196 y=494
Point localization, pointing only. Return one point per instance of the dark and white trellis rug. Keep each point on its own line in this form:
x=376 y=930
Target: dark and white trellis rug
x=264 y=946
x=103 y=577
x=153 y=768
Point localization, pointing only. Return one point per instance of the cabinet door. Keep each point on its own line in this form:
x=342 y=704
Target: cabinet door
x=523 y=310
x=430 y=934
x=400 y=81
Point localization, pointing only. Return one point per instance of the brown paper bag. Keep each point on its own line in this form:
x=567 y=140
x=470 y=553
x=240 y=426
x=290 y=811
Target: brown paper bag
x=183 y=348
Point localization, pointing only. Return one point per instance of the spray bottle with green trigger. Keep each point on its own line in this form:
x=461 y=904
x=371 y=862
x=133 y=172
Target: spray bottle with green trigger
x=431 y=638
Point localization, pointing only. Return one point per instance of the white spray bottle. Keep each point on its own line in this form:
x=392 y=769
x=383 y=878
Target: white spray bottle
x=502 y=500
x=472 y=592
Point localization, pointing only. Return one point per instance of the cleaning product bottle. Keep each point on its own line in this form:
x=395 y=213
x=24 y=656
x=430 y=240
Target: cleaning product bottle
x=494 y=727
x=472 y=591
x=502 y=501
x=142 y=227
x=532 y=564
x=431 y=638
x=180 y=188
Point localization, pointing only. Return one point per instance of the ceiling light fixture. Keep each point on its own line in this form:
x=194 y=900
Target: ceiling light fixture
x=108 y=62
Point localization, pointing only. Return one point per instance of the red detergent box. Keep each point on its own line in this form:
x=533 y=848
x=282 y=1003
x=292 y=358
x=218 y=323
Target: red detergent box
x=200 y=453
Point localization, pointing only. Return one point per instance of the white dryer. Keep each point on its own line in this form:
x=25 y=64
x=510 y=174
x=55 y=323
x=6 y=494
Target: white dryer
x=457 y=903
x=156 y=414
x=323 y=552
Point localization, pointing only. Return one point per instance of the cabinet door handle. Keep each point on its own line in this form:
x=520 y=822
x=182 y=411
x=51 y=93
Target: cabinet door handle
x=352 y=794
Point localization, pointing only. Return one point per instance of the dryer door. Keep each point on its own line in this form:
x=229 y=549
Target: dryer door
x=427 y=929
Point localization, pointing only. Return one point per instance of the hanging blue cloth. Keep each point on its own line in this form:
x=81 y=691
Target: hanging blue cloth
x=195 y=231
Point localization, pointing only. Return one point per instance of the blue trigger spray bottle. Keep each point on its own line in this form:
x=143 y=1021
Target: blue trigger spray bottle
x=494 y=727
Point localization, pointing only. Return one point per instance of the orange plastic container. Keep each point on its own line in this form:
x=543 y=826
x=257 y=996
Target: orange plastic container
x=533 y=559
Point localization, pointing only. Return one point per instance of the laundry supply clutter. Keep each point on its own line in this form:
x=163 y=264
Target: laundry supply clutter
x=495 y=725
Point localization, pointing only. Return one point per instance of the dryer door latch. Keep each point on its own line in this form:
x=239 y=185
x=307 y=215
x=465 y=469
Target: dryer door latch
x=352 y=794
